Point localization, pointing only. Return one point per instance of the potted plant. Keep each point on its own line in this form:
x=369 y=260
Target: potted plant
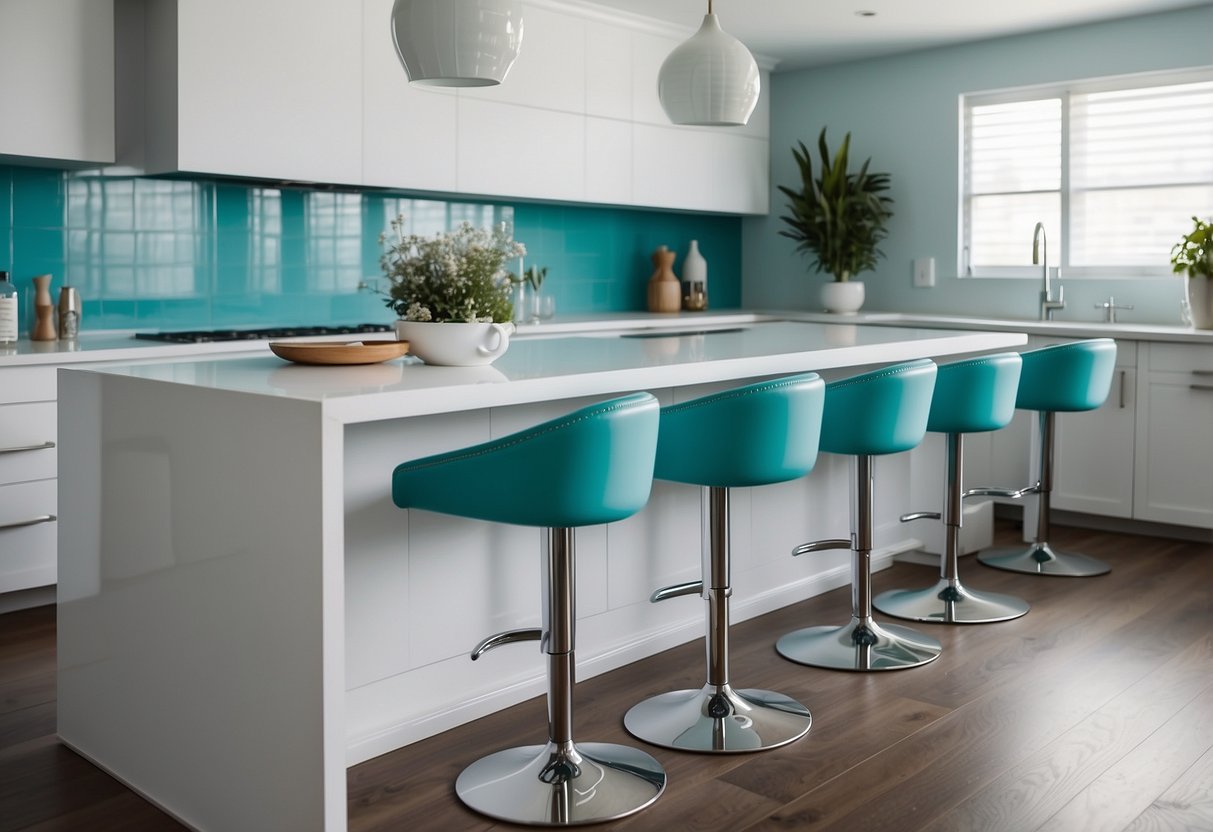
x=839 y=218
x=450 y=292
x=1193 y=254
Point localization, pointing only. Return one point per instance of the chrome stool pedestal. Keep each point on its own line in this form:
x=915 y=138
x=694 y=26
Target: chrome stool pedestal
x=1040 y=558
x=863 y=643
x=948 y=601
x=716 y=717
x=560 y=783
x=1064 y=378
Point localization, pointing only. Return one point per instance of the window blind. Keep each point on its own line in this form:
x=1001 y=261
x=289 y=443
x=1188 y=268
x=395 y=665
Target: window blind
x=1114 y=170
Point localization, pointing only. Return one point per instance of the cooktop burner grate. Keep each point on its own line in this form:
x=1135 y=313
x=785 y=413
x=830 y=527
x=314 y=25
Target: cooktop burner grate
x=204 y=336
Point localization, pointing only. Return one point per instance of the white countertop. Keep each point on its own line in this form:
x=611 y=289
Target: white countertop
x=122 y=346
x=539 y=369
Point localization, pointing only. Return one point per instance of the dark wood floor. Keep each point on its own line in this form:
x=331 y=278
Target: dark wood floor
x=1093 y=712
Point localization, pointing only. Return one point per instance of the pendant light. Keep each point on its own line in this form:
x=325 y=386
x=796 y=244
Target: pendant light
x=711 y=79
x=457 y=43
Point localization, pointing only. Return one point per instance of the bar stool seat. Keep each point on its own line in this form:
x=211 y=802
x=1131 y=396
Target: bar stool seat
x=970 y=397
x=1064 y=378
x=592 y=466
x=755 y=435
x=881 y=412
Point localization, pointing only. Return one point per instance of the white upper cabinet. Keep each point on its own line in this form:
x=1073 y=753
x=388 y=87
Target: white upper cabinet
x=271 y=89
x=312 y=90
x=57 y=81
x=408 y=131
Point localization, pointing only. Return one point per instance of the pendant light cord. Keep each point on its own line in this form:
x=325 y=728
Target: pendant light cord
x=709 y=6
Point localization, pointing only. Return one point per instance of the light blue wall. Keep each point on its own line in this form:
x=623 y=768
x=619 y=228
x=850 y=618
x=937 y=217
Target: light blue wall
x=903 y=111
x=150 y=253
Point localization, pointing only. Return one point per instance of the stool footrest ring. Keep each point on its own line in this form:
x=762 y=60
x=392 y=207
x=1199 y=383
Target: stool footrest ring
x=1012 y=493
x=920 y=515
x=677 y=590
x=506 y=637
x=822 y=545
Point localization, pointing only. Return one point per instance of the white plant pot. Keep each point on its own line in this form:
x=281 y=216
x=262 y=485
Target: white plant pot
x=845 y=298
x=1200 y=301
x=455 y=344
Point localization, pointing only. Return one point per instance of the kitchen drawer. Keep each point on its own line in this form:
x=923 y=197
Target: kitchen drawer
x=27 y=539
x=25 y=431
x=1181 y=358
x=27 y=384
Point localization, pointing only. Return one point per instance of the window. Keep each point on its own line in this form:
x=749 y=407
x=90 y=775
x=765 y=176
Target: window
x=1115 y=169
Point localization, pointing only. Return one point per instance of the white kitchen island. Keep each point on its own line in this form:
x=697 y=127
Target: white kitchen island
x=243 y=613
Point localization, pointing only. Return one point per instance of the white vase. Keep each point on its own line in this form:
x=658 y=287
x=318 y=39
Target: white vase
x=455 y=344
x=842 y=298
x=1200 y=301
x=695 y=279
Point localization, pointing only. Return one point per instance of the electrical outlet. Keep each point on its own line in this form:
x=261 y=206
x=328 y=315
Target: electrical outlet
x=924 y=272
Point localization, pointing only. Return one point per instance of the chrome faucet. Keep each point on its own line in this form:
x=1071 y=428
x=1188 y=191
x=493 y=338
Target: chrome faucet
x=1040 y=257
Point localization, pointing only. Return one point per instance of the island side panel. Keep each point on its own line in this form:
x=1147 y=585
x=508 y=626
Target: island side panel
x=194 y=623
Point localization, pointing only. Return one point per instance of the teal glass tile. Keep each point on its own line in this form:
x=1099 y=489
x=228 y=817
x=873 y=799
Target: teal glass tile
x=38 y=198
x=199 y=253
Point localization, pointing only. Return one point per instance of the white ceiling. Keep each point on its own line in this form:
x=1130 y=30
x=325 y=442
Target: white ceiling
x=804 y=33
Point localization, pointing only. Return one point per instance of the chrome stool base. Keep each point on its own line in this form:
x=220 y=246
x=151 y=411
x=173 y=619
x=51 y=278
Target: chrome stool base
x=561 y=785
x=950 y=602
x=718 y=719
x=859 y=645
x=1040 y=559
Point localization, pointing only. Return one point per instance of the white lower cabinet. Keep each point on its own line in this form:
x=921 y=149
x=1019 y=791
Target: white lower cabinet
x=28 y=471
x=1173 y=480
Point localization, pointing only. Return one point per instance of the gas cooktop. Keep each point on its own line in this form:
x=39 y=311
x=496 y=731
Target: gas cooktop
x=205 y=336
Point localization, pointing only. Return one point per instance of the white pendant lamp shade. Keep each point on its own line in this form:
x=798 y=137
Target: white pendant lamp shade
x=457 y=43
x=711 y=79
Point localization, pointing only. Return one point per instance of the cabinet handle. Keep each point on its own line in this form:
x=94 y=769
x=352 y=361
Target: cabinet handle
x=33 y=521
x=1202 y=372
x=17 y=448
x=1122 y=389
x=1200 y=386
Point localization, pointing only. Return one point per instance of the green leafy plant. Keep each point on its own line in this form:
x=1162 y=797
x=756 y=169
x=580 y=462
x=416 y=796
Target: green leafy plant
x=458 y=276
x=1193 y=254
x=838 y=217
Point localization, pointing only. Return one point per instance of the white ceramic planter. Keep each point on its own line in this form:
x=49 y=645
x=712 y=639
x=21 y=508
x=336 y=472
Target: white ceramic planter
x=1200 y=301
x=455 y=344
x=844 y=298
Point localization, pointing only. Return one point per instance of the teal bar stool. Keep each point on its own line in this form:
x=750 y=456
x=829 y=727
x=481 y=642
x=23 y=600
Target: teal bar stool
x=1065 y=378
x=882 y=412
x=590 y=467
x=971 y=396
x=755 y=435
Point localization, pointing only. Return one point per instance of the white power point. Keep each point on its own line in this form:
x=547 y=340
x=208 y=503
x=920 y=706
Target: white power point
x=924 y=272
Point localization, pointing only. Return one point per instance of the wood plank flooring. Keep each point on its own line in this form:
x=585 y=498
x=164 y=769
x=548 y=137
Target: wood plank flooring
x=1093 y=713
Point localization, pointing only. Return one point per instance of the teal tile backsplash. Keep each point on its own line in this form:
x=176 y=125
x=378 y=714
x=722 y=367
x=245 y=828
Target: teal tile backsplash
x=151 y=253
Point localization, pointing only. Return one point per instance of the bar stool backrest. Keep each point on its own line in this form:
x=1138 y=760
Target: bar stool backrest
x=593 y=466
x=881 y=412
x=754 y=435
x=975 y=395
x=1067 y=377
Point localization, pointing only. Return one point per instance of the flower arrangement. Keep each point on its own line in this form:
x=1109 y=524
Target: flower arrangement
x=456 y=276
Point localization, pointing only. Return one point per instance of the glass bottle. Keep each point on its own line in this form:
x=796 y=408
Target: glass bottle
x=8 y=310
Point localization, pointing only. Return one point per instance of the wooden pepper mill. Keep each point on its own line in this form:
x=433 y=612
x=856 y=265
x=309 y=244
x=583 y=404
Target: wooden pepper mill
x=665 y=292
x=44 y=310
